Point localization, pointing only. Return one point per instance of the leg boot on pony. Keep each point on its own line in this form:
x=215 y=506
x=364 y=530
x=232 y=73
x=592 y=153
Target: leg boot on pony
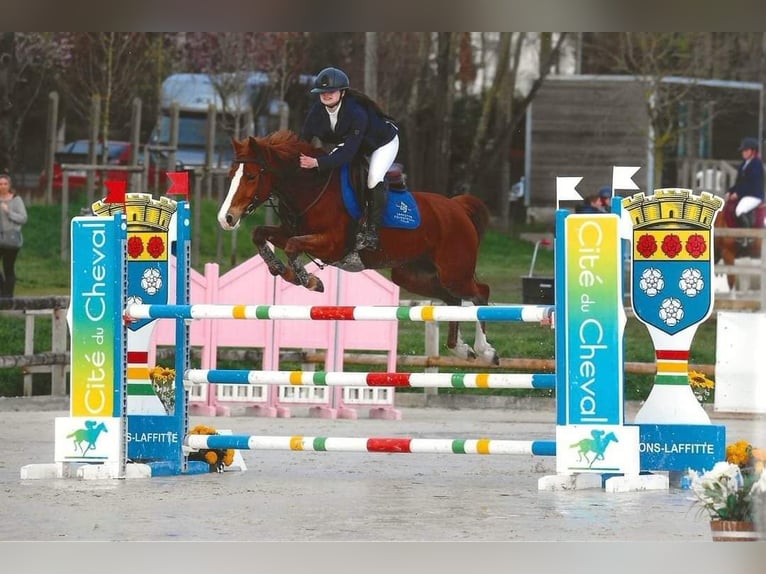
x=375 y=204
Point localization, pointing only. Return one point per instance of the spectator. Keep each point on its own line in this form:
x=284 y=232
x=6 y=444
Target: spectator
x=605 y=195
x=13 y=214
x=591 y=204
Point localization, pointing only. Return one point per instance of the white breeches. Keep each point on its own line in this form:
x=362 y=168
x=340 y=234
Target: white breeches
x=745 y=204
x=380 y=160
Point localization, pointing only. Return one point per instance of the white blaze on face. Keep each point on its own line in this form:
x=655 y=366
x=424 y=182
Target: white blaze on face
x=229 y=196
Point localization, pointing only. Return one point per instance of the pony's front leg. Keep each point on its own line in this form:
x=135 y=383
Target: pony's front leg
x=303 y=277
x=261 y=236
x=293 y=249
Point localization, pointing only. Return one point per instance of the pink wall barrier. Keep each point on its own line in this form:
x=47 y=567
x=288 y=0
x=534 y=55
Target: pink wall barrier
x=251 y=284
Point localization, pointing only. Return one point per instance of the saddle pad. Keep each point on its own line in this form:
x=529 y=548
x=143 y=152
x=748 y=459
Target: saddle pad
x=401 y=210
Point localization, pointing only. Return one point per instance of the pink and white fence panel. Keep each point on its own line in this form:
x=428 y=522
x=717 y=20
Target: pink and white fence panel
x=251 y=284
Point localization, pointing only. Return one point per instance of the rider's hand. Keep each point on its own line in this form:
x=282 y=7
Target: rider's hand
x=308 y=162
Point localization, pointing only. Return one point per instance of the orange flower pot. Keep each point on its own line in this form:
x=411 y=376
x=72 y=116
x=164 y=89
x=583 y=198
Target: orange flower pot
x=734 y=531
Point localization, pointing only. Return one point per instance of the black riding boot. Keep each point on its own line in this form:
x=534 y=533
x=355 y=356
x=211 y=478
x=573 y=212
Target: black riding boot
x=746 y=221
x=376 y=203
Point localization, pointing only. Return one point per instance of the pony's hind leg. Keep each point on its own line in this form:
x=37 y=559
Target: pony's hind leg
x=481 y=345
x=422 y=279
x=458 y=282
x=482 y=348
x=455 y=343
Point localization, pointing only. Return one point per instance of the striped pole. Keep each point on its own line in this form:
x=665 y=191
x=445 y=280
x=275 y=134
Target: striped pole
x=516 y=313
x=344 y=379
x=375 y=444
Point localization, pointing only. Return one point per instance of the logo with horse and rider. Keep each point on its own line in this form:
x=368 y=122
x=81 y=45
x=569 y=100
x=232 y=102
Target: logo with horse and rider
x=86 y=439
x=591 y=449
x=672 y=257
x=597 y=449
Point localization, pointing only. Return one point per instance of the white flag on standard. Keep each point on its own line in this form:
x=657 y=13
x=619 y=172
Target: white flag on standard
x=565 y=188
x=622 y=177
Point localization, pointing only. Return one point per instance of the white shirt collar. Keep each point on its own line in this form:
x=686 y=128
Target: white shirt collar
x=334 y=114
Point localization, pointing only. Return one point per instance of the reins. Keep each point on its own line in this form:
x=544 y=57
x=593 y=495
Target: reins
x=275 y=190
x=319 y=196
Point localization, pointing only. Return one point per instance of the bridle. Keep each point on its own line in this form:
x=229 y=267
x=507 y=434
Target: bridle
x=287 y=212
x=264 y=170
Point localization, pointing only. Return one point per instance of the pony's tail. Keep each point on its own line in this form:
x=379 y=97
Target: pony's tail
x=477 y=212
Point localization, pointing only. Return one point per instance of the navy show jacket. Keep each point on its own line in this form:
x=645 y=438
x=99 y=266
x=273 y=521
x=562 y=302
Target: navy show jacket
x=749 y=180
x=358 y=129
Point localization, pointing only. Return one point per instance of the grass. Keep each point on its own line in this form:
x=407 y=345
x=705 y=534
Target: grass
x=504 y=259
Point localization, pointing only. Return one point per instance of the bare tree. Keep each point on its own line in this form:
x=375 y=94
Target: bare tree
x=489 y=146
x=489 y=105
x=416 y=109
x=28 y=63
x=113 y=66
x=230 y=58
x=445 y=87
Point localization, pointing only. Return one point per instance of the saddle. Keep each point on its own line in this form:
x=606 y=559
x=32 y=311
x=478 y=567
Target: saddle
x=760 y=216
x=395 y=178
x=730 y=217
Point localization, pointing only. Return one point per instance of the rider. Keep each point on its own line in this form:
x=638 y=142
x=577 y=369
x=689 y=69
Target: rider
x=352 y=122
x=747 y=190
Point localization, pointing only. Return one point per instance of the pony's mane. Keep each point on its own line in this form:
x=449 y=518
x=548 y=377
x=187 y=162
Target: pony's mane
x=285 y=144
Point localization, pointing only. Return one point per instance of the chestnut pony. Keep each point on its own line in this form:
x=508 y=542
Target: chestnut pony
x=727 y=249
x=435 y=260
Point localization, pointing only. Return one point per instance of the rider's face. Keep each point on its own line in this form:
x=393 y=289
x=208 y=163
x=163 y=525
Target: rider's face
x=330 y=99
x=747 y=153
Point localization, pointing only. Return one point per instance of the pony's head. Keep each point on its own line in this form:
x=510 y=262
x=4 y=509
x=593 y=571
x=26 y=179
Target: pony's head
x=258 y=162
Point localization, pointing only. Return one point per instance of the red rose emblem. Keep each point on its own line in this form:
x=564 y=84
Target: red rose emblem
x=647 y=245
x=671 y=245
x=695 y=245
x=156 y=246
x=135 y=247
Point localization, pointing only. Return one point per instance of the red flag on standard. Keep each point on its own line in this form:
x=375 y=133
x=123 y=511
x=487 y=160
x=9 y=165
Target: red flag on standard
x=179 y=183
x=115 y=191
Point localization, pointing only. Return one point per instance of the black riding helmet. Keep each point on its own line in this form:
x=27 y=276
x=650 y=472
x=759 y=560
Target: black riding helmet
x=330 y=80
x=748 y=143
